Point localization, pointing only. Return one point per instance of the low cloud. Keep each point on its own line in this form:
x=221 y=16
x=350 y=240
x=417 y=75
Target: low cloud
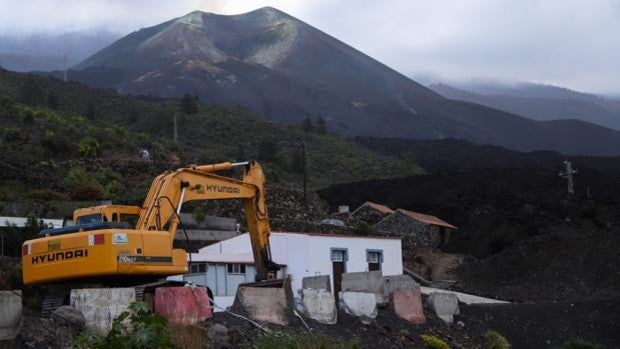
x=564 y=42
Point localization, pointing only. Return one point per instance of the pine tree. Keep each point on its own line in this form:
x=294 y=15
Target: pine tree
x=189 y=104
x=52 y=101
x=307 y=125
x=90 y=110
x=267 y=150
x=320 y=125
x=30 y=92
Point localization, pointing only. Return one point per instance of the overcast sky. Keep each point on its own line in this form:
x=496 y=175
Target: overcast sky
x=575 y=44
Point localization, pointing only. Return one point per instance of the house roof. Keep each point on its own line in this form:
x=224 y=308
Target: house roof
x=425 y=218
x=379 y=207
x=235 y=258
x=340 y=235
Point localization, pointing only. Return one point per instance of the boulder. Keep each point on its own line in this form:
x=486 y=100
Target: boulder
x=68 y=316
x=360 y=304
x=11 y=316
x=320 y=305
x=101 y=306
x=445 y=305
x=183 y=305
x=218 y=334
x=316 y=282
x=408 y=305
x=366 y=282
x=398 y=283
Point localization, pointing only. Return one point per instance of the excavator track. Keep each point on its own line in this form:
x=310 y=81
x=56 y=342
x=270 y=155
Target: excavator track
x=52 y=302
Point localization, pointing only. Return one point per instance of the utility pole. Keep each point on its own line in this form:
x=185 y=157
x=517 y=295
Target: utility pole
x=305 y=168
x=568 y=174
x=175 y=135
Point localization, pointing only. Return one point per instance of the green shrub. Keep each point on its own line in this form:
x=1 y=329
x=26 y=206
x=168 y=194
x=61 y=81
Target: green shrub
x=142 y=330
x=577 y=343
x=496 y=340
x=114 y=190
x=84 y=187
x=434 y=342
x=88 y=189
x=74 y=177
x=89 y=146
x=363 y=228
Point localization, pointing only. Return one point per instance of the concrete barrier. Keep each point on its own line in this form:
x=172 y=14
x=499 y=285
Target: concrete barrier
x=183 y=305
x=101 y=305
x=320 y=282
x=445 y=305
x=398 y=283
x=263 y=304
x=367 y=282
x=319 y=305
x=360 y=304
x=408 y=305
x=11 y=316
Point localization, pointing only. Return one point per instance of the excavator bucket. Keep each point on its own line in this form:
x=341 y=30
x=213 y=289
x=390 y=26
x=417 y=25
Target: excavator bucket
x=266 y=301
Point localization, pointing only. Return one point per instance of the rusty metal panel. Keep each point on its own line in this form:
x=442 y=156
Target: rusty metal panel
x=183 y=305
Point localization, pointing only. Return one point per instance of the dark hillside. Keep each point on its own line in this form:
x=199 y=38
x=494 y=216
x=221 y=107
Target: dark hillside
x=526 y=233
x=461 y=155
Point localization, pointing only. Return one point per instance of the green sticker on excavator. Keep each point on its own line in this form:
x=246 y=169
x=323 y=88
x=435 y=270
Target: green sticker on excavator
x=53 y=245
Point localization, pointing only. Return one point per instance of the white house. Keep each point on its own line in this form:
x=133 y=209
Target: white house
x=224 y=265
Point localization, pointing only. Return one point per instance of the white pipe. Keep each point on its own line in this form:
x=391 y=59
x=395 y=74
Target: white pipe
x=239 y=163
x=181 y=201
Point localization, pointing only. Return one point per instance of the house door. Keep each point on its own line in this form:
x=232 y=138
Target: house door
x=339 y=258
x=337 y=269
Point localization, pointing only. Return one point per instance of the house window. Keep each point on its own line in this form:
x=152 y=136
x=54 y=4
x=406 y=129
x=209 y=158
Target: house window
x=196 y=268
x=374 y=258
x=338 y=255
x=236 y=269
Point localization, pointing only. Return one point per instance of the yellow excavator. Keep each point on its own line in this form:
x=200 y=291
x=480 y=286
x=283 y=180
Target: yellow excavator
x=102 y=244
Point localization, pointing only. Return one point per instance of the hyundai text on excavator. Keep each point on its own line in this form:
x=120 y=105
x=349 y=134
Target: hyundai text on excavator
x=102 y=244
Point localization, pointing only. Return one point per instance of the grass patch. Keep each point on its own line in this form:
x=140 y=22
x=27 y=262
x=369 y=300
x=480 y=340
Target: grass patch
x=292 y=340
x=434 y=342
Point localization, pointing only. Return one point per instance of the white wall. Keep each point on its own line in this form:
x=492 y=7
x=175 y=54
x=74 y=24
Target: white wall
x=310 y=255
x=320 y=262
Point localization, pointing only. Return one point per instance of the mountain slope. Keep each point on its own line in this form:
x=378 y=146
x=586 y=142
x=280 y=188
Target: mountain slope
x=284 y=69
x=47 y=126
x=539 y=102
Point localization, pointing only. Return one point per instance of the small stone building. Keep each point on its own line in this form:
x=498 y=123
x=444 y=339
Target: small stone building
x=426 y=230
x=371 y=213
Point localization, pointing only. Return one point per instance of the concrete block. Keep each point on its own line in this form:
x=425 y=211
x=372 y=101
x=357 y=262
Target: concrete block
x=367 y=282
x=445 y=305
x=398 y=283
x=11 y=316
x=320 y=282
x=266 y=304
x=408 y=305
x=320 y=306
x=183 y=305
x=360 y=304
x=101 y=305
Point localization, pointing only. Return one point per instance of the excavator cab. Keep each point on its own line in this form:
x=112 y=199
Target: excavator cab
x=107 y=213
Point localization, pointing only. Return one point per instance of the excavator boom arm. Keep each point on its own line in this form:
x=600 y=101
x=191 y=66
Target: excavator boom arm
x=170 y=190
